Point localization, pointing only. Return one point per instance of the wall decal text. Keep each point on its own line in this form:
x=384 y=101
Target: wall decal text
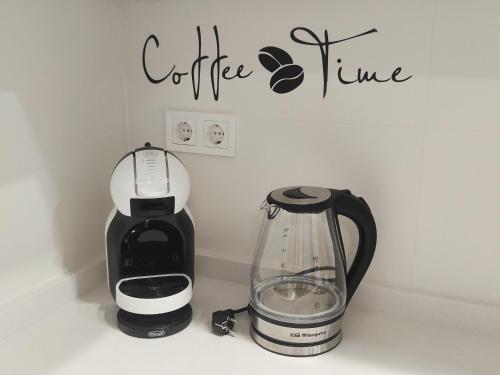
x=324 y=47
x=215 y=67
x=287 y=75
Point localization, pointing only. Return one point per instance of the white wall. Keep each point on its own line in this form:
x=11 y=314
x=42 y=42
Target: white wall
x=424 y=154
x=62 y=119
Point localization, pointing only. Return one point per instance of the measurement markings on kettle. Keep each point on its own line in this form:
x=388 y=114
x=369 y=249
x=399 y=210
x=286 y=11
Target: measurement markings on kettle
x=284 y=237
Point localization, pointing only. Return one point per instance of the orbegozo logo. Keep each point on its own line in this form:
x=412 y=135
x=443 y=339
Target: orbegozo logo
x=286 y=76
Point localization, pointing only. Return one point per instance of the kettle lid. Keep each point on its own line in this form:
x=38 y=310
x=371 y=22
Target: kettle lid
x=301 y=199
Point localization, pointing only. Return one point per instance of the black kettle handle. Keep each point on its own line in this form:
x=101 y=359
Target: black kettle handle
x=356 y=209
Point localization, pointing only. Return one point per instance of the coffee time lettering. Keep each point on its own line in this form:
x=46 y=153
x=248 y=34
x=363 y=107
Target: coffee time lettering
x=324 y=47
x=220 y=70
x=216 y=74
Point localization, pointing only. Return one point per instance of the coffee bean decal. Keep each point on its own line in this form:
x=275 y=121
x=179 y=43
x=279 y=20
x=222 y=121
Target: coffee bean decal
x=287 y=76
x=272 y=58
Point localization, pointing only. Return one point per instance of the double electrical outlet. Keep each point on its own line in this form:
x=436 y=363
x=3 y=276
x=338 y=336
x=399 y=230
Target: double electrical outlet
x=200 y=132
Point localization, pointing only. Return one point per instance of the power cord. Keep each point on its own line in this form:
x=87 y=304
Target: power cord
x=223 y=321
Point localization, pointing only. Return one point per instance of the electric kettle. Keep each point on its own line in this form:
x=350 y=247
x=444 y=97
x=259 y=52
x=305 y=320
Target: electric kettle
x=300 y=285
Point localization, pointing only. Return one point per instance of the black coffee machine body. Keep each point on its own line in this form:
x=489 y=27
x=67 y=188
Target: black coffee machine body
x=150 y=243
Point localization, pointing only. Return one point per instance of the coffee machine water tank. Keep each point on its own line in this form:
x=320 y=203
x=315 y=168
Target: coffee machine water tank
x=150 y=243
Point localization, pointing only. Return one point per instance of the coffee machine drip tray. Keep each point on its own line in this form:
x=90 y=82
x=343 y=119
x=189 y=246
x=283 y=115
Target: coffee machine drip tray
x=154 y=294
x=154 y=287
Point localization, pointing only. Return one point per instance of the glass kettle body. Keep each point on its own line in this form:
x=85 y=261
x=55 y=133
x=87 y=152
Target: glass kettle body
x=300 y=286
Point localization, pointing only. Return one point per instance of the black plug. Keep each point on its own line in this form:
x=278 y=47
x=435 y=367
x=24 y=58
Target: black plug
x=223 y=322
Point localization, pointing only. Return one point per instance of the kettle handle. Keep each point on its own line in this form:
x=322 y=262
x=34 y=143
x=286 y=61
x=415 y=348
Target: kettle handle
x=355 y=208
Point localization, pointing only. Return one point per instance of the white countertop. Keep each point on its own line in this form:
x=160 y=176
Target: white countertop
x=82 y=338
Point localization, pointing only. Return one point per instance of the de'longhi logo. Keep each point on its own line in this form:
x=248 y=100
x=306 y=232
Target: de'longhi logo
x=287 y=76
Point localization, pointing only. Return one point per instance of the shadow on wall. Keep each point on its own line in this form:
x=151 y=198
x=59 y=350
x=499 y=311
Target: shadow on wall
x=56 y=189
x=61 y=110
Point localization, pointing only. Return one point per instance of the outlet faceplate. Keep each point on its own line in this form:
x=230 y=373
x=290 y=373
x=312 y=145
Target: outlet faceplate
x=200 y=132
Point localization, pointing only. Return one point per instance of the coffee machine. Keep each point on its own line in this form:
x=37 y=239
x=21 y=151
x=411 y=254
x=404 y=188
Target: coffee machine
x=150 y=243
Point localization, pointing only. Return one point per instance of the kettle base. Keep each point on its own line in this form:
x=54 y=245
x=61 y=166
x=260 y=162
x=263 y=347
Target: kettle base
x=294 y=350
